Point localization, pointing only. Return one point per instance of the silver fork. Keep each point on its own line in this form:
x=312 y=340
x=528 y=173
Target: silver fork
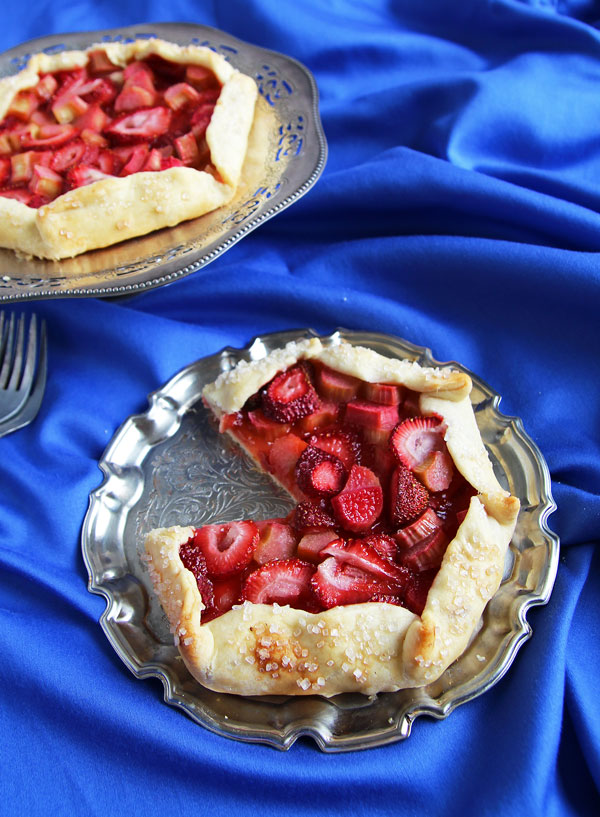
x=20 y=372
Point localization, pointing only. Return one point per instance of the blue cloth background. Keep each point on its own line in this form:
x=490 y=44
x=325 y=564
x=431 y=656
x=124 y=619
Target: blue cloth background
x=459 y=209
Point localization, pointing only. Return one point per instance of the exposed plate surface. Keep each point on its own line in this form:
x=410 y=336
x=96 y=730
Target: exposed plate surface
x=286 y=155
x=170 y=466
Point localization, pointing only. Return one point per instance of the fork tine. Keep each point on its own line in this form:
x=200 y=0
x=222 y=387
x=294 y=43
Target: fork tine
x=7 y=352
x=32 y=406
x=30 y=359
x=15 y=376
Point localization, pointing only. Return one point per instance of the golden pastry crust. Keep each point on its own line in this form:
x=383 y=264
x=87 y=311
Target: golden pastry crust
x=257 y=649
x=113 y=210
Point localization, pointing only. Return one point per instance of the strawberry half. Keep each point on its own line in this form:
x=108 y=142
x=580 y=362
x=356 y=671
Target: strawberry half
x=193 y=559
x=408 y=497
x=281 y=582
x=290 y=395
x=227 y=548
x=140 y=126
x=413 y=440
x=318 y=473
x=383 y=544
x=417 y=591
x=310 y=517
x=276 y=541
x=360 y=554
x=358 y=506
x=344 y=445
x=336 y=583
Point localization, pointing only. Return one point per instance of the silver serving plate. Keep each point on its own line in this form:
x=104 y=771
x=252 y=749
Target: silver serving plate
x=286 y=155
x=170 y=466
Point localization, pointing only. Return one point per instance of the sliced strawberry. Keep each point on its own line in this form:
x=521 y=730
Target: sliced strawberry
x=427 y=554
x=371 y=415
x=68 y=156
x=385 y=393
x=170 y=161
x=24 y=196
x=420 y=529
x=310 y=517
x=83 y=174
x=268 y=429
x=343 y=444
x=360 y=554
x=318 y=473
x=417 y=591
x=181 y=95
x=408 y=497
x=227 y=548
x=436 y=471
x=193 y=559
x=143 y=125
x=290 y=395
x=153 y=161
x=383 y=544
x=311 y=545
x=50 y=136
x=282 y=582
x=358 y=506
x=140 y=73
x=415 y=439
x=277 y=540
x=332 y=385
x=283 y=456
x=99 y=90
x=106 y=162
x=337 y=583
x=134 y=97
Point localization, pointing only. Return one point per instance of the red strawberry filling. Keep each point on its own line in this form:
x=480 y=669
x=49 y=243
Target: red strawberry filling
x=70 y=129
x=379 y=498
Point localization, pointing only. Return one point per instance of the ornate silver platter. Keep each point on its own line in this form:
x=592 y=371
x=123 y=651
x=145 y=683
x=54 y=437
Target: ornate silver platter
x=170 y=466
x=286 y=155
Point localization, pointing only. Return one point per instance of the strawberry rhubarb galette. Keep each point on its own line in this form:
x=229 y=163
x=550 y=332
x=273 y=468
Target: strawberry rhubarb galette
x=377 y=580
x=102 y=145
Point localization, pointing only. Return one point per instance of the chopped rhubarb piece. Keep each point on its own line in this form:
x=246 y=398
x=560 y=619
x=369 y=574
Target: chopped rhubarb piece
x=67 y=107
x=428 y=553
x=420 y=529
x=417 y=591
x=358 y=506
x=181 y=95
x=436 y=471
x=336 y=386
x=227 y=548
x=140 y=126
x=310 y=517
x=194 y=561
x=319 y=473
x=45 y=182
x=371 y=415
x=277 y=540
x=290 y=395
x=187 y=149
x=22 y=167
x=106 y=162
x=408 y=497
x=170 y=161
x=153 y=161
x=200 y=77
x=385 y=393
x=360 y=554
x=23 y=105
x=99 y=63
x=136 y=160
x=311 y=545
x=324 y=416
x=415 y=439
x=82 y=175
x=337 y=583
x=282 y=582
x=46 y=87
x=343 y=444
x=139 y=73
x=411 y=404
x=283 y=456
x=92 y=138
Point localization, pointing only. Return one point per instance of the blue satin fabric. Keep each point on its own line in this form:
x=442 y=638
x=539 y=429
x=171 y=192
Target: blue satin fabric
x=459 y=209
